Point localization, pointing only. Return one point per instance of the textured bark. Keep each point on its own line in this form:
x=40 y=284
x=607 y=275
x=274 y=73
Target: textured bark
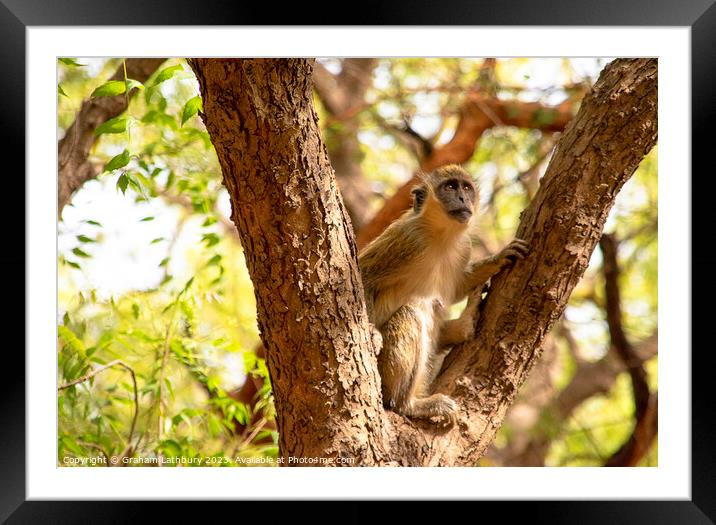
x=300 y=254
x=73 y=149
x=302 y=260
x=477 y=114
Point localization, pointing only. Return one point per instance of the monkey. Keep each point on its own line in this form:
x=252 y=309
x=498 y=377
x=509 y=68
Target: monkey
x=411 y=272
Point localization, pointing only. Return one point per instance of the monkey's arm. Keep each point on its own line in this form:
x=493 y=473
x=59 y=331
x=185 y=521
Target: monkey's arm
x=479 y=272
x=453 y=332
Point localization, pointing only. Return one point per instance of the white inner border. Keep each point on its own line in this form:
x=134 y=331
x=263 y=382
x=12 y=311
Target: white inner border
x=671 y=479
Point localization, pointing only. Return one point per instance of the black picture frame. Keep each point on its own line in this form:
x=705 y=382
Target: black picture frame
x=699 y=15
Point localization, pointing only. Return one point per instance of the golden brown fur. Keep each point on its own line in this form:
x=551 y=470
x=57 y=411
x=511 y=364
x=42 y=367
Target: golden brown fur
x=419 y=265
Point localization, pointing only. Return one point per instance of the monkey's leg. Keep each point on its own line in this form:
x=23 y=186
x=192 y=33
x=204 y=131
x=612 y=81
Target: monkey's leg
x=399 y=357
x=408 y=344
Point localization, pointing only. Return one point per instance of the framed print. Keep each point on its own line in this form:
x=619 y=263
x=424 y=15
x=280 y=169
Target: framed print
x=427 y=246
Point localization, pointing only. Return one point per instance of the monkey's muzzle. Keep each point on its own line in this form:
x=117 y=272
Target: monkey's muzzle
x=461 y=215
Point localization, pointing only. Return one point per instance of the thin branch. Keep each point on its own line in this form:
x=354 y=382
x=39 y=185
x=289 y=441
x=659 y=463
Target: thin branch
x=96 y=447
x=90 y=375
x=74 y=168
x=165 y=359
x=645 y=427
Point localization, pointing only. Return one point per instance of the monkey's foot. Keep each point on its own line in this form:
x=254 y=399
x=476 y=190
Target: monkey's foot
x=439 y=409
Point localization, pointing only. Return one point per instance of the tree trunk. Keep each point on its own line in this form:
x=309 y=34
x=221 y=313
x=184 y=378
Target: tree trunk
x=301 y=256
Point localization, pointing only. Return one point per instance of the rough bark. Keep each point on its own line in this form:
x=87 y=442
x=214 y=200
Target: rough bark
x=74 y=169
x=477 y=114
x=301 y=257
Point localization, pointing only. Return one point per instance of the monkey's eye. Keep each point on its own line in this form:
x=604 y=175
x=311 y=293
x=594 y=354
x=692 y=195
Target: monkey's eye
x=467 y=187
x=451 y=185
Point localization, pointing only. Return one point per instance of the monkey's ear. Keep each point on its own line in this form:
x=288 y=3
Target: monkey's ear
x=419 y=195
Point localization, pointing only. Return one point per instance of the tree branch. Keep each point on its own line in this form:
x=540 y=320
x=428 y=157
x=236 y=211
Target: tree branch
x=646 y=404
x=302 y=260
x=478 y=113
x=74 y=169
x=590 y=379
x=600 y=149
x=88 y=376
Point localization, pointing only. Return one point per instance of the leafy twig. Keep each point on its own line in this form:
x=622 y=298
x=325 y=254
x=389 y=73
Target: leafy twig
x=90 y=375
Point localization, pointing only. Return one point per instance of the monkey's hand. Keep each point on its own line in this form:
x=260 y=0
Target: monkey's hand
x=517 y=249
x=376 y=338
x=479 y=272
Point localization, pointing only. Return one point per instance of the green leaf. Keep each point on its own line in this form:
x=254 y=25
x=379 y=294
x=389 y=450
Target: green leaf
x=147 y=219
x=72 y=446
x=214 y=424
x=84 y=238
x=61 y=91
x=216 y=259
x=188 y=284
x=132 y=84
x=164 y=262
x=73 y=264
x=134 y=183
x=73 y=342
x=111 y=88
x=166 y=74
x=93 y=223
x=135 y=310
x=118 y=161
x=169 y=387
x=158 y=239
x=170 y=448
x=191 y=108
x=211 y=239
x=80 y=253
x=122 y=183
x=113 y=125
x=71 y=62
x=160 y=119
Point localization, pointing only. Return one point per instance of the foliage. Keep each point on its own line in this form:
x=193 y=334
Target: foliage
x=151 y=270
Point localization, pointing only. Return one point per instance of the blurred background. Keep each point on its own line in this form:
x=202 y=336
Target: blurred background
x=152 y=280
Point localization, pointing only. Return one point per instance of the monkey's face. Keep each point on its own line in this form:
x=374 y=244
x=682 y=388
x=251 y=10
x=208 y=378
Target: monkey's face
x=458 y=196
